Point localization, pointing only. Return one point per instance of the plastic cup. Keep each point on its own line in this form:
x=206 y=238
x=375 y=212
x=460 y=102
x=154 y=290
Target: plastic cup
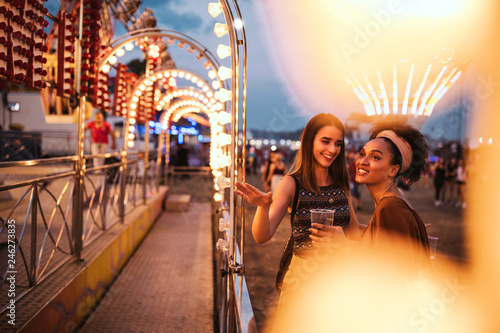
x=323 y=216
x=433 y=242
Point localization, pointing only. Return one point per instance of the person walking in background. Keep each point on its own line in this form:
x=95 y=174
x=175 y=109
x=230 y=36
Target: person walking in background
x=99 y=131
x=277 y=170
x=426 y=173
x=317 y=179
x=461 y=179
x=265 y=171
x=394 y=150
x=439 y=178
x=449 y=181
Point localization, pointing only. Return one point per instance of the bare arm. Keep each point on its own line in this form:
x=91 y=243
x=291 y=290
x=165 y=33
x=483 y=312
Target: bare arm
x=113 y=139
x=269 y=212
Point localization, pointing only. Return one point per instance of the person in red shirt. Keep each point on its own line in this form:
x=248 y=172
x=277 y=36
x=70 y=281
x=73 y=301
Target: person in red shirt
x=99 y=130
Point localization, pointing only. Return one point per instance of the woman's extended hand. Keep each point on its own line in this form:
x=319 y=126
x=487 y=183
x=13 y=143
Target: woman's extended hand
x=321 y=234
x=253 y=195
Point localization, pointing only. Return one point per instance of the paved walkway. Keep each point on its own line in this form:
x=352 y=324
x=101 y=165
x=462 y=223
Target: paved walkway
x=167 y=285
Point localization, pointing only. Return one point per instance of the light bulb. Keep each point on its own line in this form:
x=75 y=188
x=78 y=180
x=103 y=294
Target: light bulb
x=112 y=60
x=105 y=69
x=224 y=224
x=220 y=29
x=222 y=245
x=120 y=52
x=224 y=139
x=212 y=75
x=214 y=9
x=215 y=85
x=225 y=95
x=129 y=46
x=223 y=51
x=225 y=73
x=223 y=182
x=131 y=136
x=224 y=117
x=131 y=144
x=217 y=196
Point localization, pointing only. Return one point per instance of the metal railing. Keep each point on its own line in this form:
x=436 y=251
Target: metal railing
x=37 y=210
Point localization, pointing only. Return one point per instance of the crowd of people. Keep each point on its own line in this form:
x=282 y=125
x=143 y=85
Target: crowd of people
x=450 y=177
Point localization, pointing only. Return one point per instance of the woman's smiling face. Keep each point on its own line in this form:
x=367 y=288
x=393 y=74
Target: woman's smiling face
x=374 y=163
x=328 y=143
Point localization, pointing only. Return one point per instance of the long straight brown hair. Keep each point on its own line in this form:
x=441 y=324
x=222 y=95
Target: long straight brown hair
x=303 y=165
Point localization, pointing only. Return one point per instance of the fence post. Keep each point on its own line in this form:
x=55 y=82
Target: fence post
x=146 y=164
x=34 y=203
x=123 y=185
x=158 y=161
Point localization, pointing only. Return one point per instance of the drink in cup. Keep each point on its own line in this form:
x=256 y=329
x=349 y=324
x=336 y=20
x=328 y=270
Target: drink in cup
x=323 y=216
x=433 y=242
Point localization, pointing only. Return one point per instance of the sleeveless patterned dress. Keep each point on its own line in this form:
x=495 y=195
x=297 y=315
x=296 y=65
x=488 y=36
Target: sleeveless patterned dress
x=332 y=197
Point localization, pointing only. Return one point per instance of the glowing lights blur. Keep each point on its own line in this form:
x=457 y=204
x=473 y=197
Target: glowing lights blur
x=214 y=9
x=132 y=121
x=225 y=95
x=112 y=60
x=223 y=51
x=224 y=139
x=218 y=197
x=225 y=73
x=212 y=74
x=105 y=68
x=423 y=87
x=131 y=136
x=120 y=52
x=130 y=144
x=224 y=117
x=153 y=51
x=220 y=29
x=129 y=46
x=238 y=23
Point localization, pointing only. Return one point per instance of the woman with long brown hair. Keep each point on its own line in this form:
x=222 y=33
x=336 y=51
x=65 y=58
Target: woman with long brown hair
x=317 y=179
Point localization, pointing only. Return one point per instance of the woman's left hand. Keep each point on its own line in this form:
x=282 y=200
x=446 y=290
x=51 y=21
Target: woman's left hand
x=321 y=234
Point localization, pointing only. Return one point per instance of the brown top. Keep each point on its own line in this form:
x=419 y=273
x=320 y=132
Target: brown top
x=393 y=223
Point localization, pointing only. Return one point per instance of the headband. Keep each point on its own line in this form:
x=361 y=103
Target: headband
x=403 y=146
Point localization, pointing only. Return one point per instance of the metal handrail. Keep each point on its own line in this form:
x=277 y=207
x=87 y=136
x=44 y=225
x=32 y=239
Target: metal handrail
x=42 y=252
x=42 y=161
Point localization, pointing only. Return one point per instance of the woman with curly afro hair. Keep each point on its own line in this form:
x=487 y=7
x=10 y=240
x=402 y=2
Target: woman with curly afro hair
x=395 y=150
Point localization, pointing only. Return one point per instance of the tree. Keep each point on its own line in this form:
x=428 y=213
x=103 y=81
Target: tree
x=137 y=66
